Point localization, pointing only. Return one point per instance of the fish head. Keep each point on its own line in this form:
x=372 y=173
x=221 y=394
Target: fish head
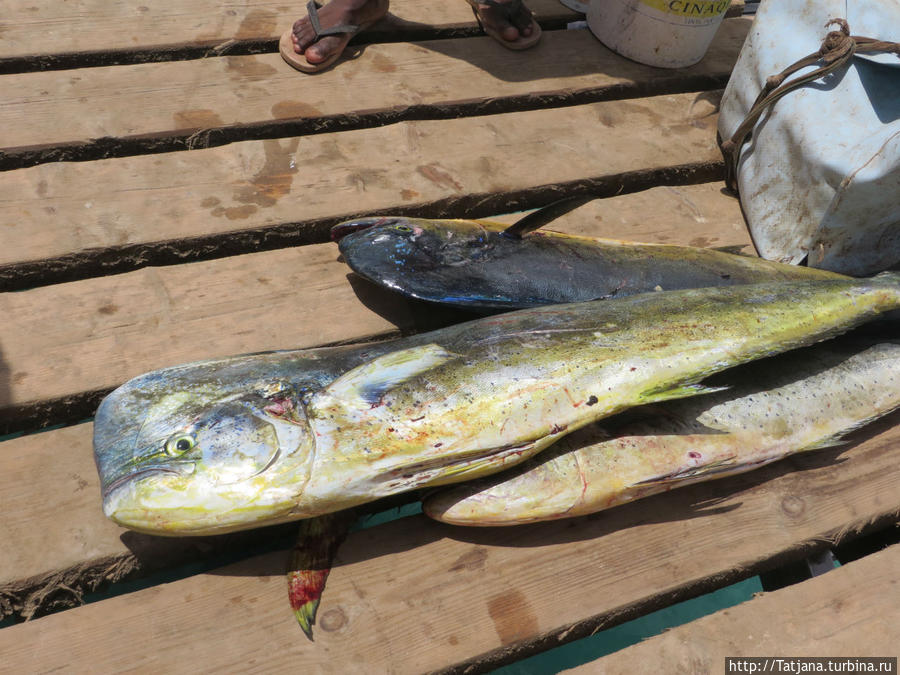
x=434 y=260
x=200 y=458
x=370 y=243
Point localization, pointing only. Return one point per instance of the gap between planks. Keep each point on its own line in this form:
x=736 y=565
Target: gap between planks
x=415 y=595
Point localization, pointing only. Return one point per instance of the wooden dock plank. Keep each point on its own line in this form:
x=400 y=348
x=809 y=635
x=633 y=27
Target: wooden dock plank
x=183 y=97
x=415 y=595
x=47 y=535
x=66 y=208
x=96 y=333
x=847 y=612
x=40 y=29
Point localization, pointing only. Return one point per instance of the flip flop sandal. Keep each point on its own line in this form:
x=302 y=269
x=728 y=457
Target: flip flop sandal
x=298 y=61
x=509 y=10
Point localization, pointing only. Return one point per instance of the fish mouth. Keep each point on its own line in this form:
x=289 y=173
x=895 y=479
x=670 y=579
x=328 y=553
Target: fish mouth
x=119 y=481
x=341 y=230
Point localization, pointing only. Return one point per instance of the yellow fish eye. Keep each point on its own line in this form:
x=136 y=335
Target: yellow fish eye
x=402 y=228
x=178 y=445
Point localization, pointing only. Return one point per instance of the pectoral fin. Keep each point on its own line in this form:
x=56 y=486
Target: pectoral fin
x=370 y=381
x=725 y=465
x=441 y=471
x=679 y=392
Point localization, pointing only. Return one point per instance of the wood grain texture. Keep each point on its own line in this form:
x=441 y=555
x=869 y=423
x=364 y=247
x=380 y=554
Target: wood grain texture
x=415 y=595
x=97 y=333
x=67 y=208
x=34 y=28
x=183 y=97
x=847 y=612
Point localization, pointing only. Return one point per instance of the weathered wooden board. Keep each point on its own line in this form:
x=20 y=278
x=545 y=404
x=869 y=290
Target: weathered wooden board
x=66 y=208
x=848 y=612
x=181 y=98
x=51 y=501
x=31 y=28
x=414 y=595
x=96 y=333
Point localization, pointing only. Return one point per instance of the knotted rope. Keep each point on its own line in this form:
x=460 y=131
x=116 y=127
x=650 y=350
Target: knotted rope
x=837 y=49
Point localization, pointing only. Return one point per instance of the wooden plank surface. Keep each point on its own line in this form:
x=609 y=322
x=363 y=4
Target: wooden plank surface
x=415 y=595
x=67 y=208
x=96 y=333
x=847 y=612
x=32 y=28
x=183 y=97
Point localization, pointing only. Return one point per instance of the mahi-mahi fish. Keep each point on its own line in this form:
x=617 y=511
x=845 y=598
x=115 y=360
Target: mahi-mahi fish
x=796 y=402
x=249 y=441
x=488 y=266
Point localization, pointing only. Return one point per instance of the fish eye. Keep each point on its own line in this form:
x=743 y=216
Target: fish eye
x=178 y=445
x=403 y=228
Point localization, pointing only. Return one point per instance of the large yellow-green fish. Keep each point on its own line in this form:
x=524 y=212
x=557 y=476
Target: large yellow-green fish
x=804 y=400
x=245 y=442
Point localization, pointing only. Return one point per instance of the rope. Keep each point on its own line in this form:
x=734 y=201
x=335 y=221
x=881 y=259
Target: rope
x=837 y=49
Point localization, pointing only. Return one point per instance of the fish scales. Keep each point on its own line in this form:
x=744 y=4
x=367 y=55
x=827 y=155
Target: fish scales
x=791 y=403
x=545 y=391
x=436 y=408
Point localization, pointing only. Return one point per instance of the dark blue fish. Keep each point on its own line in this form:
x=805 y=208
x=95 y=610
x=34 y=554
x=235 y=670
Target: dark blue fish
x=484 y=265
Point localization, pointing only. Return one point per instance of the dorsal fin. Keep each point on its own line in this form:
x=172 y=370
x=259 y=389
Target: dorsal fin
x=537 y=219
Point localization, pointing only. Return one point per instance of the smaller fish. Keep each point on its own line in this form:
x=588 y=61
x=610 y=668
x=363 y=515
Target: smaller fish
x=487 y=266
x=801 y=401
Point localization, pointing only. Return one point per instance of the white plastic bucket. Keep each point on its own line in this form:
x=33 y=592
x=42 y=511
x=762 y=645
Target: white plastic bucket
x=662 y=33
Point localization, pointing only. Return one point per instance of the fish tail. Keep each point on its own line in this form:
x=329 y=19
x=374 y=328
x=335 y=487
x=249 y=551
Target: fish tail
x=310 y=563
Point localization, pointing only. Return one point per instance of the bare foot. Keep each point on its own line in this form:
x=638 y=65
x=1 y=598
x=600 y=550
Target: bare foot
x=510 y=29
x=335 y=13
